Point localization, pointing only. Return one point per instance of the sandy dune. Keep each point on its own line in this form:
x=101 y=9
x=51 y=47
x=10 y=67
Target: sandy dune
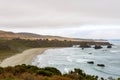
x=25 y=57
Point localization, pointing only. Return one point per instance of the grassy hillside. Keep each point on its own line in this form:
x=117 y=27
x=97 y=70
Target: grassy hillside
x=9 y=48
x=32 y=36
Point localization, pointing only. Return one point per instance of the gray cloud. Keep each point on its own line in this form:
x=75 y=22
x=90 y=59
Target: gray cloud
x=36 y=13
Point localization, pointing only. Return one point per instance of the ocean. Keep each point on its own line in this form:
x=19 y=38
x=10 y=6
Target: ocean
x=66 y=59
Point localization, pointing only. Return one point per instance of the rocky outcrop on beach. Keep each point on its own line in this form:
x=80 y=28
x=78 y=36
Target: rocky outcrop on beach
x=109 y=46
x=98 y=47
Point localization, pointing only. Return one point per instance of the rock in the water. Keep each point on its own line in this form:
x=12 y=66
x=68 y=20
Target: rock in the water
x=82 y=48
x=101 y=65
x=90 y=53
x=98 y=47
x=109 y=46
x=90 y=62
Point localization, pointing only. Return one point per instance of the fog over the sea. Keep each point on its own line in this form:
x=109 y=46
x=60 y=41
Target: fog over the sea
x=82 y=31
x=71 y=18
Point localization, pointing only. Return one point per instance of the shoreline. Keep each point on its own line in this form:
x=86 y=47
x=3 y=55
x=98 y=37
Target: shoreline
x=25 y=57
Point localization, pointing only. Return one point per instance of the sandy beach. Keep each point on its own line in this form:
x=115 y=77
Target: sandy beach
x=25 y=57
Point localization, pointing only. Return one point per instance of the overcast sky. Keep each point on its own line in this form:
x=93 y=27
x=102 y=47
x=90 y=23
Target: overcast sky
x=72 y=18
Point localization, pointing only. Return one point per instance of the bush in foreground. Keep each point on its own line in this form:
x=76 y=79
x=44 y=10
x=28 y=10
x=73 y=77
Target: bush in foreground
x=28 y=72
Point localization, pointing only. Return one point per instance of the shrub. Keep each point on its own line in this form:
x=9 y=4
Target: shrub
x=44 y=73
x=1 y=70
x=28 y=72
x=53 y=70
x=27 y=76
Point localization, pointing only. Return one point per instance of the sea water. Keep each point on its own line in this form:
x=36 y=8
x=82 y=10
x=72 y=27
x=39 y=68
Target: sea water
x=66 y=59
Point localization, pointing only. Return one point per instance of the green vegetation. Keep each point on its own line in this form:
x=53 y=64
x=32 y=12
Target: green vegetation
x=28 y=72
x=11 y=47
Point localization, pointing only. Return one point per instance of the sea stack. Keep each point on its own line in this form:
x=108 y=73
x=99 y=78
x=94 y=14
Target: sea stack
x=101 y=65
x=109 y=46
x=98 y=47
x=90 y=62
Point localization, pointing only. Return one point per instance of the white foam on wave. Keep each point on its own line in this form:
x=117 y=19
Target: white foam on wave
x=51 y=62
x=107 y=71
x=66 y=70
x=69 y=59
x=36 y=61
x=82 y=60
x=114 y=51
